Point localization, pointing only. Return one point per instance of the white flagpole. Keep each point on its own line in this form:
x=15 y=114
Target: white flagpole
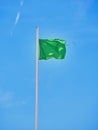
x=37 y=62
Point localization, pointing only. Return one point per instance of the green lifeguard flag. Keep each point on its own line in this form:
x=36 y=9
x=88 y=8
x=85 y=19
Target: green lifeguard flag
x=52 y=48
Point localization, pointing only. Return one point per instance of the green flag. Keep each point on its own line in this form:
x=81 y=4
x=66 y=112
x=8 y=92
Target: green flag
x=52 y=48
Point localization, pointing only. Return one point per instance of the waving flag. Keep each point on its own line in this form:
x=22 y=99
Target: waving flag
x=52 y=48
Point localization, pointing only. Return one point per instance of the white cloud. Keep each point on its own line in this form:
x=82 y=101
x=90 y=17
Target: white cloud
x=21 y=3
x=17 y=18
x=20 y=102
x=5 y=98
x=8 y=99
x=82 y=8
x=18 y=13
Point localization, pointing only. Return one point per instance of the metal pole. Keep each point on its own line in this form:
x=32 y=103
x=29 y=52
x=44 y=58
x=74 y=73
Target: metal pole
x=37 y=61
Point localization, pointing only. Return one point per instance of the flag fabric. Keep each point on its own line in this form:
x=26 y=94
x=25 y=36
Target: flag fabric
x=52 y=48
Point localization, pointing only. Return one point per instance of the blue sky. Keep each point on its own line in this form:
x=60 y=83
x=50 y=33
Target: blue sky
x=67 y=88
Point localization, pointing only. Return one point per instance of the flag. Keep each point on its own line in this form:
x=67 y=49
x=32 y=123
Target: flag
x=52 y=48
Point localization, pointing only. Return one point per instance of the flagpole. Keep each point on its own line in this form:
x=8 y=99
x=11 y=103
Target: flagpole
x=37 y=62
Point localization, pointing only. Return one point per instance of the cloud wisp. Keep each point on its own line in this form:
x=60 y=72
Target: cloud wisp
x=9 y=100
x=82 y=9
x=18 y=13
x=5 y=98
x=17 y=16
x=21 y=3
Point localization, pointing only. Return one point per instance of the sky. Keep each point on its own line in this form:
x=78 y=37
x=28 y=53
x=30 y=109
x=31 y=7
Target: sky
x=68 y=98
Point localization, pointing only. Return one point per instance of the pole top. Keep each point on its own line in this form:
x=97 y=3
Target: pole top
x=37 y=27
